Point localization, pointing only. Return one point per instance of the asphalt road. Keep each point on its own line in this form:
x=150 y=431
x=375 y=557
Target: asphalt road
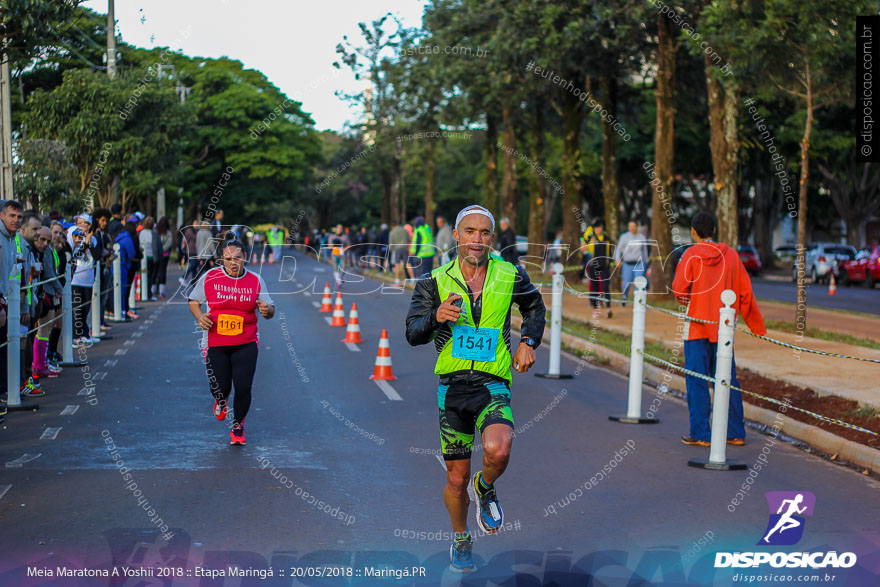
x=320 y=428
x=856 y=298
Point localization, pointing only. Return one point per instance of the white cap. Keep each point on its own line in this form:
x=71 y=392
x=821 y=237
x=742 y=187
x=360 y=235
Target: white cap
x=475 y=209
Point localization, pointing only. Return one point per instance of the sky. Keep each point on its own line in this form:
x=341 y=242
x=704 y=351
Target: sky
x=293 y=42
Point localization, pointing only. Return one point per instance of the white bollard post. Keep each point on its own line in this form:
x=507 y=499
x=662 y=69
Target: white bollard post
x=132 y=295
x=67 y=319
x=145 y=286
x=117 y=285
x=13 y=348
x=637 y=358
x=556 y=326
x=721 y=403
x=96 y=302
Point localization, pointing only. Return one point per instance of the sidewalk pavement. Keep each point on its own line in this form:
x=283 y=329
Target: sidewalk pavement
x=848 y=378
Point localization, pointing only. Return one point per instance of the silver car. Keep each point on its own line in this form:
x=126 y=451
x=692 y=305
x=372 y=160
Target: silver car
x=822 y=259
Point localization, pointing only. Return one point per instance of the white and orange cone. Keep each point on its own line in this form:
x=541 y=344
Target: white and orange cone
x=338 y=312
x=326 y=301
x=832 y=286
x=382 y=370
x=353 y=331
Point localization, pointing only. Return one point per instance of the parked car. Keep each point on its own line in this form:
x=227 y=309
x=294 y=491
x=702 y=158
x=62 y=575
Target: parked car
x=750 y=258
x=522 y=245
x=864 y=268
x=822 y=260
x=785 y=252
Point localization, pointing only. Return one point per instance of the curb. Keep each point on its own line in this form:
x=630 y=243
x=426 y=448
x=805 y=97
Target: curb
x=848 y=450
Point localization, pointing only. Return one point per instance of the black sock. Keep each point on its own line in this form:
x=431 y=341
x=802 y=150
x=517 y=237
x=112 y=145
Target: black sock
x=54 y=337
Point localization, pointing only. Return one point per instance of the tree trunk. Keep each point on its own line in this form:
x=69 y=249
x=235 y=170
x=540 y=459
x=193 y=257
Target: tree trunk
x=572 y=116
x=429 y=185
x=537 y=224
x=664 y=155
x=401 y=194
x=509 y=184
x=724 y=144
x=801 y=307
x=390 y=209
x=491 y=202
x=610 y=187
x=763 y=227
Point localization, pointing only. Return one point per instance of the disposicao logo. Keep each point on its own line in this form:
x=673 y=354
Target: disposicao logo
x=786 y=524
x=785 y=528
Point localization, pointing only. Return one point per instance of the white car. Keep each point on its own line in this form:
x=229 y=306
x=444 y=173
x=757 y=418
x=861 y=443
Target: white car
x=821 y=261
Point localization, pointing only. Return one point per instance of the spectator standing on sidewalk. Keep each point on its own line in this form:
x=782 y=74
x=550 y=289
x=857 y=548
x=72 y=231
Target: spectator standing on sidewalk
x=507 y=242
x=598 y=267
x=398 y=244
x=444 y=241
x=631 y=256
x=707 y=269
x=166 y=240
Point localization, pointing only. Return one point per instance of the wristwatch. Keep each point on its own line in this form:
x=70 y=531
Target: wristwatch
x=529 y=341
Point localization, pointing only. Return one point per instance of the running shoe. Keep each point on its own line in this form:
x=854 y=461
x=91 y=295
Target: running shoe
x=219 y=410
x=461 y=559
x=236 y=435
x=31 y=388
x=489 y=514
x=46 y=373
x=131 y=314
x=736 y=441
x=693 y=441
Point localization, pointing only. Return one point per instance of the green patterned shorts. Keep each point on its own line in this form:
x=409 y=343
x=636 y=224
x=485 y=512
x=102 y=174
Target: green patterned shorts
x=466 y=408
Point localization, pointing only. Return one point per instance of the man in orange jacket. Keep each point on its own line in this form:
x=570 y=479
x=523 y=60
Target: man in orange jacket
x=705 y=270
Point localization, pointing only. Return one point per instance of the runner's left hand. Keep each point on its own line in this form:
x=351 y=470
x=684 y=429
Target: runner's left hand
x=524 y=358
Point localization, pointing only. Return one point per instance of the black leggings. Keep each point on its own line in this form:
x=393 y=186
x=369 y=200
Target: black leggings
x=228 y=365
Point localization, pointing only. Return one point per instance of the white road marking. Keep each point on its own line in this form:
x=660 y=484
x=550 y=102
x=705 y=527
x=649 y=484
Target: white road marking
x=99 y=375
x=4 y=489
x=308 y=293
x=69 y=409
x=84 y=391
x=319 y=269
x=25 y=458
x=129 y=342
x=316 y=304
x=352 y=347
x=110 y=362
x=120 y=351
x=389 y=391
x=328 y=319
x=442 y=462
x=50 y=433
x=137 y=334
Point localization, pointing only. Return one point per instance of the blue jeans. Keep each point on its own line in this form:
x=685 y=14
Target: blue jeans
x=630 y=272
x=699 y=356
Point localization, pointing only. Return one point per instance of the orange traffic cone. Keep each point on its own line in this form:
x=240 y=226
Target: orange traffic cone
x=326 y=301
x=832 y=286
x=382 y=370
x=338 y=312
x=353 y=331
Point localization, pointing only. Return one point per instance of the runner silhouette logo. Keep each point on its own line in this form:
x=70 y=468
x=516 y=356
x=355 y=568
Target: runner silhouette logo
x=787 y=511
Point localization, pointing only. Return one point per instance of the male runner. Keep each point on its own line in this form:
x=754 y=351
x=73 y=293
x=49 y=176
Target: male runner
x=464 y=307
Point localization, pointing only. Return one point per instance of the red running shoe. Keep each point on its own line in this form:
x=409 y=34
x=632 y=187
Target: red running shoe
x=236 y=435
x=219 y=410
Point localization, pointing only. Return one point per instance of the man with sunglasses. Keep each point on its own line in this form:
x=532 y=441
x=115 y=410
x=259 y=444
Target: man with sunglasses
x=230 y=343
